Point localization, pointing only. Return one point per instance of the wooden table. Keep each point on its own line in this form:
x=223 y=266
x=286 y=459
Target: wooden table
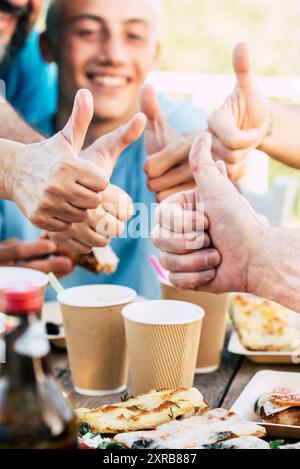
x=220 y=389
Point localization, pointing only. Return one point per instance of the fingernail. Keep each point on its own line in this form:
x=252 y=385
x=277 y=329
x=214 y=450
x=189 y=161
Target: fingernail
x=213 y=259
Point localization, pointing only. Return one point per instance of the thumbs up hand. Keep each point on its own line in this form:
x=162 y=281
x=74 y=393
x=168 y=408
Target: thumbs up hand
x=106 y=150
x=243 y=121
x=51 y=184
x=166 y=167
x=235 y=231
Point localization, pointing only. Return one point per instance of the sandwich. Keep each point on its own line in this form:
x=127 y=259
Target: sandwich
x=282 y=406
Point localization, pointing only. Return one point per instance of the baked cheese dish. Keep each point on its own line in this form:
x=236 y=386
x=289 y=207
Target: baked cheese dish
x=216 y=429
x=144 y=412
x=263 y=325
x=282 y=406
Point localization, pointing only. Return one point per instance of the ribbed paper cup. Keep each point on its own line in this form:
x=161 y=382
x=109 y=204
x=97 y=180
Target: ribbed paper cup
x=95 y=337
x=214 y=324
x=163 y=340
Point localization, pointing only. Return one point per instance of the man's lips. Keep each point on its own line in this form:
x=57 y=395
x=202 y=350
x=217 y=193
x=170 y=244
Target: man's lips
x=108 y=81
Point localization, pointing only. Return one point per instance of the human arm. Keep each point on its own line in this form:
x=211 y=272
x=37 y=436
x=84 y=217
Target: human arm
x=254 y=257
x=14 y=127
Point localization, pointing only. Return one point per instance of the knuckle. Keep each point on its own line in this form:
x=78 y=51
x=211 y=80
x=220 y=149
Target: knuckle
x=80 y=217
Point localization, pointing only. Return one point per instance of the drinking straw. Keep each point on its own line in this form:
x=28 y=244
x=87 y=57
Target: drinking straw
x=157 y=267
x=55 y=284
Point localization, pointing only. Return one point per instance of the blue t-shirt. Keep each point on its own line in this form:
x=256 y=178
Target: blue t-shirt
x=31 y=83
x=134 y=270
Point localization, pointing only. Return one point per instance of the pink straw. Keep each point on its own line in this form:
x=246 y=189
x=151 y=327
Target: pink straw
x=158 y=268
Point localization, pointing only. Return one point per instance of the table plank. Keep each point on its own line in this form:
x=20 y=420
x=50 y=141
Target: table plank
x=214 y=386
x=245 y=373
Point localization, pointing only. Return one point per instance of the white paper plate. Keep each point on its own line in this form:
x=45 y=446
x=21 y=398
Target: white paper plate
x=235 y=346
x=264 y=382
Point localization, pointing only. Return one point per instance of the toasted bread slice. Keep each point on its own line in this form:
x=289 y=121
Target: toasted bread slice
x=144 y=412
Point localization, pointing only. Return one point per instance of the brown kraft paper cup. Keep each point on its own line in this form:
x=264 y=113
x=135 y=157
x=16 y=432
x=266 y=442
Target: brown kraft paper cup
x=213 y=327
x=96 y=345
x=162 y=355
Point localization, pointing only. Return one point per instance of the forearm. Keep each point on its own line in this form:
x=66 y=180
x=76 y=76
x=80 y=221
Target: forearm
x=9 y=155
x=13 y=127
x=283 y=140
x=275 y=272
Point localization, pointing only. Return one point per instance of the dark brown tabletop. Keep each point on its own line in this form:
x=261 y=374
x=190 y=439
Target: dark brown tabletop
x=220 y=389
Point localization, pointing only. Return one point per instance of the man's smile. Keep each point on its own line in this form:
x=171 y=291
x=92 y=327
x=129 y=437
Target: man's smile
x=107 y=80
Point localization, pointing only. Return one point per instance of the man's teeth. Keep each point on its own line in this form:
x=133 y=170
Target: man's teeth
x=113 y=82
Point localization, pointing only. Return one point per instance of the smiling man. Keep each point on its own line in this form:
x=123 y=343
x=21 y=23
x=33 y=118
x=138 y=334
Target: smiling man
x=109 y=47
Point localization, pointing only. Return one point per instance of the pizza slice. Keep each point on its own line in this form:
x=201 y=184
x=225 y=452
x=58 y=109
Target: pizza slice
x=208 y=431
x=144 y=412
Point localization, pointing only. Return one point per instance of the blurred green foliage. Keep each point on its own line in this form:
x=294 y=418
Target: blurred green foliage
x=200 y=34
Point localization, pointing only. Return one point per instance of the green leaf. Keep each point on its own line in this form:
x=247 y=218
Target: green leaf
x=276 y=443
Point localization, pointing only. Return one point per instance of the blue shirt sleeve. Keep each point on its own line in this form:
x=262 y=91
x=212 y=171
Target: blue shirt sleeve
x=31 y=83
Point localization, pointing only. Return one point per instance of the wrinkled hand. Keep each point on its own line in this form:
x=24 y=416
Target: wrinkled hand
x=34 y=256
x=106 y=150
x=235 y=231
x=167 y=165
x=51 y=184
x=106 y=222
x=116 y=206
x=243 y=121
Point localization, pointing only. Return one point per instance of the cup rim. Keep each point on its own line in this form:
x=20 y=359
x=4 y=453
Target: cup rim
x=41 y=279
x=129 y=296
x=127 y=311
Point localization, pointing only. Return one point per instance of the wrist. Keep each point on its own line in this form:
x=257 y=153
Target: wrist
x=275 y=272
x=268 y=128
x=261 y=260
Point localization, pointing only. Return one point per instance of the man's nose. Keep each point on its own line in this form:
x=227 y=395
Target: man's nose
x=115 y=51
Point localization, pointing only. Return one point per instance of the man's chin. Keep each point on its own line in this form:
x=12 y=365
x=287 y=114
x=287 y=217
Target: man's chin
x=102 y=114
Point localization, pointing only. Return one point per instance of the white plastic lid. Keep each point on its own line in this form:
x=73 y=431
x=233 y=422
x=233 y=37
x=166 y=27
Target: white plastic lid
x=93 y=296
x=163 y=312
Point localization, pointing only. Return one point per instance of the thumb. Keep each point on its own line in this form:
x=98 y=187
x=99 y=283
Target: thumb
x=242 y=66
x=114 y=143
x=78 y=124
x=201 y=161
x=150 y=104
x=157 y=125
